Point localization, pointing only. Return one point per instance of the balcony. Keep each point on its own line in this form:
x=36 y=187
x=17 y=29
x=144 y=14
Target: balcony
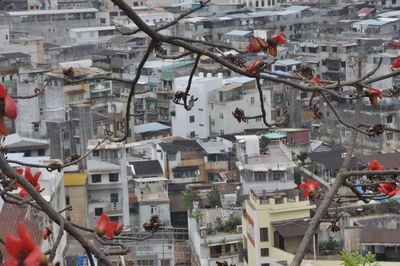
x=111 y=208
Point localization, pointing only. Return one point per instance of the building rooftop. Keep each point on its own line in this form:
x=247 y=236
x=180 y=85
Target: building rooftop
x=180 y=145
x=17 y=141
x=78 y=72
x=213 y=146
x=211 y=215
x=287 y=62
x=376 y=22
x=13 y=55
x=147 y=168
x=238 y=32
x=389 y=160
x=390 y=14
x=51 y=12
x=274 y=135
x=75 y=179
x=88 y=29
x=150 y=127
x=229 y=87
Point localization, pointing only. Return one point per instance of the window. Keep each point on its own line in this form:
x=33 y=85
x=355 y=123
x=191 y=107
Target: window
x=389 y=136
x=192 y=134
x=258 y=119
x=191 y=119
x=389 y=119
x=114 y=197
x=221 y=115
x=303 y=49
x=260 y=176
x=278 y=175
x=264 y=234
x=393 y=2
x=264 y=252
x=252 y=100
x=221 y=132
x=113 y=177
x=27 y=153
x=165 y=263
x=67 y=200
x=312 y=50
x=96 y=178
x=96 y=153
x=265 y=264
x=98 y=211
x=324 y=62
x=153 y=209
x=41 y=152
x=103 y=21
x=334 y=49
x=171 y=156
x=343 y=133
x=323 y=48
x=343 y=64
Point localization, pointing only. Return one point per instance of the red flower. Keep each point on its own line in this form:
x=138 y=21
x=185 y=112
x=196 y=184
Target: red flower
x=396 y=63
x=257 y=44
x=309 y=188
x=375 y=166
x=8 y=108
x=22 y=250
x=48 y=231
x=273 y=42
x=373 y=96
x=316 y=81
x=107 y=228
x=388 y=189
x=34 y=180
x=255 y=67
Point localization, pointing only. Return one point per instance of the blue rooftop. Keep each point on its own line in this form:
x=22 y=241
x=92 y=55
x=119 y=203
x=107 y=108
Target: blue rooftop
x=150 y=127
x=373 y=22
x=274 y=135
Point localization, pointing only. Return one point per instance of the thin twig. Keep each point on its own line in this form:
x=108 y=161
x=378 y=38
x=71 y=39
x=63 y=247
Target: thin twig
x=58 y=240
x=40 y=91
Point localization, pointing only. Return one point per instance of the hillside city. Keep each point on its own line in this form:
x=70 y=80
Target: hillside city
x=226 y=190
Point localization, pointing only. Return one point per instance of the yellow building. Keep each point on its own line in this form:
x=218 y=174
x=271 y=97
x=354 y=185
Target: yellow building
x=75 y=196
x=272 y=224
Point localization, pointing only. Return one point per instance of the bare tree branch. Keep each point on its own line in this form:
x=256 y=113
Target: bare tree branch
x=57 y=242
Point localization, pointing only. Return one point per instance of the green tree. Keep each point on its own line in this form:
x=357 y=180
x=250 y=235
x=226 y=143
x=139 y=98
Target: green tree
x=303 y=157
x=188 y=197
x=214 y=198
x=356 y=259
x=264 y=142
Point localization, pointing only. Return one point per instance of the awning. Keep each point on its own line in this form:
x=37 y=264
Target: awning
x=292 y=228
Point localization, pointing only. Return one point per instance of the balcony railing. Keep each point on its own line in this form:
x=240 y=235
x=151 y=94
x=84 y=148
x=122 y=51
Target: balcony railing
x=108 y=207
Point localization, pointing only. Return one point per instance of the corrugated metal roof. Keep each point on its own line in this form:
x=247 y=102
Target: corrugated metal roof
x=75 y=179
x=150 y=127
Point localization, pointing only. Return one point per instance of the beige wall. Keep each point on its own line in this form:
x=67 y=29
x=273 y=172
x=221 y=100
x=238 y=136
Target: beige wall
x=77 y=199
x=292 y=243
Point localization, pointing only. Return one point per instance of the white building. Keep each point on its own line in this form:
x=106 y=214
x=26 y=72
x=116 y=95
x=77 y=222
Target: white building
x=271 y=171
x=238 y=92
x=196 y=122
x=107 y=186
x=150 y=193
x=4 y=35
x=92 y=34
x=209 y=243
x=53 y=192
